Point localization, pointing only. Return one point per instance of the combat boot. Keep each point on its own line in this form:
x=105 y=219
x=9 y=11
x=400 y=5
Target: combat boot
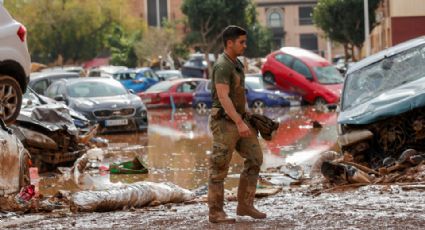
x=216 y=203
x=246 y=194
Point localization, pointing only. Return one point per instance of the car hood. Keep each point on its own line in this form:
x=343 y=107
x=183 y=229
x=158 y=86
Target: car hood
x=334 y=88
x=114 y=102
x=387 y=104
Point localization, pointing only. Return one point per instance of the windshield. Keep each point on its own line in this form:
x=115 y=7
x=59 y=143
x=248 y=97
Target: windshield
x=328 y=75
x=95 y=89
x=255 y=83
x=386 y=74
x=160 y=87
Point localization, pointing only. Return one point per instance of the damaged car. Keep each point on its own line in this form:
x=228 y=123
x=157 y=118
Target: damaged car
x=104 y=101
x=382 y=116
x=14 y=162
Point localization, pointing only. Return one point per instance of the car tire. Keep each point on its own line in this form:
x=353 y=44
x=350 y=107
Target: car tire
x=269 y=78
x=320 y=101
x=10 y=99
x=201 y=107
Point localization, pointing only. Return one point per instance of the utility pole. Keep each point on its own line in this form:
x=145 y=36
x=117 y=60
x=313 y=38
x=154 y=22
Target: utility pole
x=366 y=26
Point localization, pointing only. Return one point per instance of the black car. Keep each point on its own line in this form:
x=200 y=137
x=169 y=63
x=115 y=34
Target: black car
x=196 y=66
x=40 y=81
x=104 y=101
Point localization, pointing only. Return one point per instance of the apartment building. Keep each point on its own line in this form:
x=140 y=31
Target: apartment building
x=291 y=23
x=398 y=21
x=154 y=12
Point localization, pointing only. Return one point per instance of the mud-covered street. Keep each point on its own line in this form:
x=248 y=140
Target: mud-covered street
x=175 y=149
x=373 y=207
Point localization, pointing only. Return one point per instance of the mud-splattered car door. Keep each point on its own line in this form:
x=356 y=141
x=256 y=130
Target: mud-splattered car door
x=13 y=162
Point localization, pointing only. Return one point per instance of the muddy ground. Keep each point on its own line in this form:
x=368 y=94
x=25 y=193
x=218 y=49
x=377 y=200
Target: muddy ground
x=176 y=149
x=372 y=207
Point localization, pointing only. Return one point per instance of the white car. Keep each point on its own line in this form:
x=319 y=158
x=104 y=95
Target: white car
x=14 y=160
x=15 y=65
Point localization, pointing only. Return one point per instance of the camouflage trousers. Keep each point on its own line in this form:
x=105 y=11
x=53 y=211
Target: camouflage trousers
x=226 y=140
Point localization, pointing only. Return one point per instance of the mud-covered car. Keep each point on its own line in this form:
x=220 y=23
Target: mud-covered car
x=104 y=101
x=383 y=105
x=14 y=162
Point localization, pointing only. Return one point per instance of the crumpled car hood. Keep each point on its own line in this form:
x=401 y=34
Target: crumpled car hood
x=387 y=104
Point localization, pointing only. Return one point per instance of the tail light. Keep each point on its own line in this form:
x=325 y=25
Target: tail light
x=22 y=32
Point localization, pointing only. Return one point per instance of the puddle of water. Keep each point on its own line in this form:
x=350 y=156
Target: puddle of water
x=177 y=145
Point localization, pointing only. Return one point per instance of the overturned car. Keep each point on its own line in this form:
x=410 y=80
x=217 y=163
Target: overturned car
x=382 y=117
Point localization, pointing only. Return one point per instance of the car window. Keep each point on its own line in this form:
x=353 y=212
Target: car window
x=40 y=86
x=386 y=74
x=160 y=87
x=52 y=91
x=209 y=85
x=152 y=75
x=61 y=89
x=302 y=69
x=328 y=75
x=187 y=87
x=285 y=59
x=95 y=89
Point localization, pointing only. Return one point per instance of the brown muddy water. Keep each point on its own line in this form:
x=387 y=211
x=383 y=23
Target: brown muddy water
x=177 y=145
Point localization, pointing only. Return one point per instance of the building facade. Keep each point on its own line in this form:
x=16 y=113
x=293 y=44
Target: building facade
x=291 y=23
x=154 y=12
x=398 y=21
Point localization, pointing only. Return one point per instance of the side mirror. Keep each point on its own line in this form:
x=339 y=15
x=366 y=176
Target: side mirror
x=59 y=98
x=131 y=91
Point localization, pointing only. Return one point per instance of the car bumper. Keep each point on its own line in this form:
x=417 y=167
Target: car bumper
x=117 y=125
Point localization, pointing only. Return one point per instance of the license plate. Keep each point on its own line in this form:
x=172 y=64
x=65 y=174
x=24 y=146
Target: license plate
x=146 y=100
x=116 y=122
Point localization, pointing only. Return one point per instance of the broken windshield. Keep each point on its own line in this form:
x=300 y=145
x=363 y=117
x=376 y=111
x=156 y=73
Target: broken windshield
x=386 y=74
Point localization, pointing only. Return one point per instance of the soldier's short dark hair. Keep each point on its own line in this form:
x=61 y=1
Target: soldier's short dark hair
x=232 y=32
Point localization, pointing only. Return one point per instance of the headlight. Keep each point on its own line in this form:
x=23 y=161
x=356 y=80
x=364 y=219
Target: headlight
x=143 y=113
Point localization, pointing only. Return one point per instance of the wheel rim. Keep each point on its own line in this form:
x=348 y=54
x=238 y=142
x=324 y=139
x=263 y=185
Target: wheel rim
x=258 y=104
x=201 y=107
x=8 y=101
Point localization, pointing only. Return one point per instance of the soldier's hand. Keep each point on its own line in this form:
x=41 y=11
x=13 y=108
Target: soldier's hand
x=243 y=129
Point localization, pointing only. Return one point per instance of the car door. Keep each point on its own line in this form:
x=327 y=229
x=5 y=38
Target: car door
x=302 y=80
x=184 y=93
x=283 y=71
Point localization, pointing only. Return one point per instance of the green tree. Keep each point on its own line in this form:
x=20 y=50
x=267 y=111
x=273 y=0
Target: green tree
x=73 y=30
x=343 y=21
x=259 y=37
x=207 y=19
x=158 y=43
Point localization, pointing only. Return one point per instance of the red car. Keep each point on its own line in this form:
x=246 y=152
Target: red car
x=180 y=91
x=300 y=71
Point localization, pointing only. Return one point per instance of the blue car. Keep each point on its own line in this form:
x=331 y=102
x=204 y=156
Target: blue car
x=258 y=96
x=137 y=80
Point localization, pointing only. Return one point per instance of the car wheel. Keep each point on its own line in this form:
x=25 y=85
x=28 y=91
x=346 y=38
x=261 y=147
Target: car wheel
x=320 y=101
x=258 y=104
x=269 y=78
x=10 y=99
x=201 y=108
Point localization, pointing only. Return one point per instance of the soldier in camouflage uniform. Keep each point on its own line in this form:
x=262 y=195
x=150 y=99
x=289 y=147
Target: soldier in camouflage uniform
x=231 y=131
